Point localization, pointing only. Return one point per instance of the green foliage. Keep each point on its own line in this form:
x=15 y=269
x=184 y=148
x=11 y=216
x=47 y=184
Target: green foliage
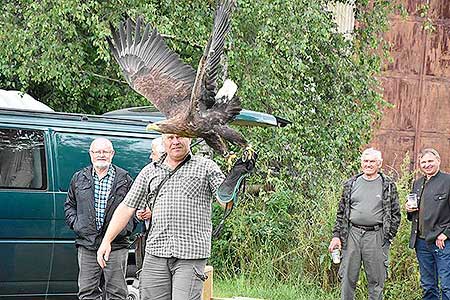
x=404 y=270
x=290 y=63
x=423 y=10
x=287 y=60
x=56 y=51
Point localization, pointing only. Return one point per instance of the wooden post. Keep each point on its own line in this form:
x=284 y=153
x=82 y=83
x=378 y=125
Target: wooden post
x=207 y=293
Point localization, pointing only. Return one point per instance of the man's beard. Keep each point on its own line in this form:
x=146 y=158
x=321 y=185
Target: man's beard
x=101 y=164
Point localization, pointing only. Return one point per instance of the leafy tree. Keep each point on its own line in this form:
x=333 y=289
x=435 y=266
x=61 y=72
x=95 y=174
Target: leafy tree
x=286 y=58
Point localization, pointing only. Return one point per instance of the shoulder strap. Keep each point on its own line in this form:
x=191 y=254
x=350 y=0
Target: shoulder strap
x=186 y=159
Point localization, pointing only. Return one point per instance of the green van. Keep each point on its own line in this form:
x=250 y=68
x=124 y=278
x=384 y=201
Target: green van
x=39 y=152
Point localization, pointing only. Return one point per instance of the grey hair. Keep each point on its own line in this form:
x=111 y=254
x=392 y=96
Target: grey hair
x=429 y=151
x=372 y=151
x=101 y=139
x=158 y=145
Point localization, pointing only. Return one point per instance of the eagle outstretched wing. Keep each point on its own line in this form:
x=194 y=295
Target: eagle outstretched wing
x=205 y=87
x=190 y=100
x=151 y=68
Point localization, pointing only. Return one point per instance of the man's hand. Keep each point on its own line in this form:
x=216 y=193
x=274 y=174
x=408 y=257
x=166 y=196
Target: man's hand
x=103 y=254
x=335 y=243
x=410 y=209
x=144 y=214
x=440 y=241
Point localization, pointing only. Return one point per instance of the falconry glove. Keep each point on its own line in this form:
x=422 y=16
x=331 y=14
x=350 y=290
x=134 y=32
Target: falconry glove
x=229 y=189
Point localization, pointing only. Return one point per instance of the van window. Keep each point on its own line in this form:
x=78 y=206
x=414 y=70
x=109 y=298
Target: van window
x=22 y=159
x=72 y=154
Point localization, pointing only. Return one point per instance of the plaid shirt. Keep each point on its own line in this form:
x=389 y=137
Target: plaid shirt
x=102 y=187
x=181 y=219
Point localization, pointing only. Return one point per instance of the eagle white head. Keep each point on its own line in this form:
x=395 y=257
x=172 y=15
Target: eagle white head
x=227 y=90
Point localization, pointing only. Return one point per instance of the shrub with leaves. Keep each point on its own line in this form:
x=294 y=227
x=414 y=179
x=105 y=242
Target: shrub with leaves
x=287 y=60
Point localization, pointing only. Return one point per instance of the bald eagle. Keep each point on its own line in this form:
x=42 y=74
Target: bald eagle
x=190 y=100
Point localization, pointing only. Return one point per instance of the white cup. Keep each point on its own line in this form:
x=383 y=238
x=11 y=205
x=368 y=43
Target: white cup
x=412 y=200
x=336 y=255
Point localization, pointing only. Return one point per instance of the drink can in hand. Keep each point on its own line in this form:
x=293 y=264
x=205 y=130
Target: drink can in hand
x=412 y=200
x=336 y=256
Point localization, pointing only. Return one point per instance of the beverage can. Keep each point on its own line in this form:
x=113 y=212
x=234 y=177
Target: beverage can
x=336 y=256
x=412 y=200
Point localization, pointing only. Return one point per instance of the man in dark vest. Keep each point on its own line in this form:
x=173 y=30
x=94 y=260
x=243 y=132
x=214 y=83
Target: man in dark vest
x=367 y=220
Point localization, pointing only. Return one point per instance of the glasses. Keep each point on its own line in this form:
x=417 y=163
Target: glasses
x=102 y=152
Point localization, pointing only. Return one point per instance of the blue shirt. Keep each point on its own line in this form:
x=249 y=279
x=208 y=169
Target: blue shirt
x=102 y=188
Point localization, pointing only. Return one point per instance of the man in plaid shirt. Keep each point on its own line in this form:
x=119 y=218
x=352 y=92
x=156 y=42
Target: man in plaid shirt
x=179 y=241
x=94 y=194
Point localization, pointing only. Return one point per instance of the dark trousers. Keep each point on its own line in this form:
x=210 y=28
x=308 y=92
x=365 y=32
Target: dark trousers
x=91 y=273
x=171 y=278
x=434 y=266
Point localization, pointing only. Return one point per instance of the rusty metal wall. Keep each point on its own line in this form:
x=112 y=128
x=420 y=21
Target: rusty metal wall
x=417 y=83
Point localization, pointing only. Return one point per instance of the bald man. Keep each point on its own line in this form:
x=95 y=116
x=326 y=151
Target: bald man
x=94 y=194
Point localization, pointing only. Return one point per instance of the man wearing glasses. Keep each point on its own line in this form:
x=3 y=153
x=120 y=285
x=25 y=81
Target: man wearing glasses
x=94 y=193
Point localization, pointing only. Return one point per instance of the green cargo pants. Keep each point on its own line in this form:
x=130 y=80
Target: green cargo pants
x=364 y=247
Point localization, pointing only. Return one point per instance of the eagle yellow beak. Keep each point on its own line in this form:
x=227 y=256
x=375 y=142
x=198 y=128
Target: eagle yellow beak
x=152 y=127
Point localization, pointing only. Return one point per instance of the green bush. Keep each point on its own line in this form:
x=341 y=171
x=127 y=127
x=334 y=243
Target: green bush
x=287 y=60
x=284 y=236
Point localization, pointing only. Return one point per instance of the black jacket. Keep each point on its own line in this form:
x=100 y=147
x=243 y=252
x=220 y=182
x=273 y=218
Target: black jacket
x=80 y=212
x=436 y=207
x=391 y=210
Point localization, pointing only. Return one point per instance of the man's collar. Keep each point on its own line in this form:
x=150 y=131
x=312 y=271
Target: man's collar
x=432 y=176
x=160 y=160
x=378 y=175
x=362 y=173
x=110 y=171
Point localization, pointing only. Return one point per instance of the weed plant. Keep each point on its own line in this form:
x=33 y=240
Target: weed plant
x=281 y=238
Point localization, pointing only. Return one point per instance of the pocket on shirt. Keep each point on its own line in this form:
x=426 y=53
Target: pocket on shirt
x=440 y=197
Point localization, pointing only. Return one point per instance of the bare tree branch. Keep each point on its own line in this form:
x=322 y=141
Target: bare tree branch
x=104 y=77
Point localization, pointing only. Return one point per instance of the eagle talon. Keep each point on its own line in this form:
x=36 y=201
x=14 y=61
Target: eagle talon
x=230 y=157
x=248 y=153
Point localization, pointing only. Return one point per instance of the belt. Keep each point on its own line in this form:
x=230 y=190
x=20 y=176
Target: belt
x=368 y=228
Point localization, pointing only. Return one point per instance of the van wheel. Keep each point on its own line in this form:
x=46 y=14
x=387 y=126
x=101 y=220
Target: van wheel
x=133 y=289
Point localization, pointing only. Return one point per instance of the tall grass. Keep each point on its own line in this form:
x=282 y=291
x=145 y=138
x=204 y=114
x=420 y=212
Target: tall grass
x=283 y=237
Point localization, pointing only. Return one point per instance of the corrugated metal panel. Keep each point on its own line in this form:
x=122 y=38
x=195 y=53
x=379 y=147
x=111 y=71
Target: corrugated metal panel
x=417 y=82
x=344 y=17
